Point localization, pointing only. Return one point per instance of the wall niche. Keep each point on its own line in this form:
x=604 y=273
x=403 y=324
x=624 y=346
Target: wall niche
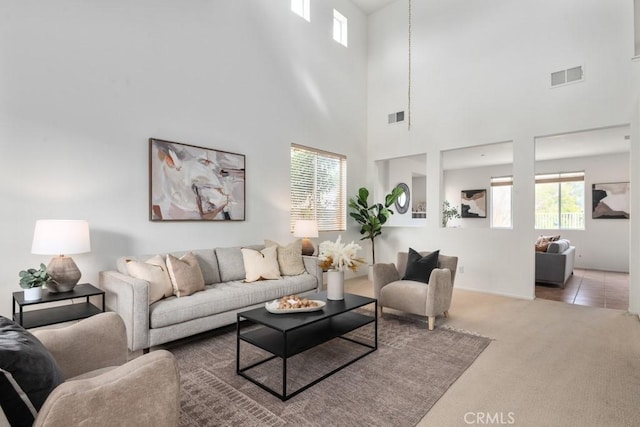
x=409 y=171
x=471 y=170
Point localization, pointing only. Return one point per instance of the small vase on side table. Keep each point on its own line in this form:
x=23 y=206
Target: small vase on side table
x=335 y=285
x=33 y=294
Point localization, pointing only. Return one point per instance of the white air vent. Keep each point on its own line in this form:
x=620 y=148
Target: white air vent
x=563 y=77
x=396 y=117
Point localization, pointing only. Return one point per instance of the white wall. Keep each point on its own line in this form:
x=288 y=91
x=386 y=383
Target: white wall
x=634 y=159
x=481 y=74
x=85 y=84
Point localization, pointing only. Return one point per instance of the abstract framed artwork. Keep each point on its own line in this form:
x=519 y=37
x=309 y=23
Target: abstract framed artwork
x=473 y=204
x=610 y=200
x=190 y=183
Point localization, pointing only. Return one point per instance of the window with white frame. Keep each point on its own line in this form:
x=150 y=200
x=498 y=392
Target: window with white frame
x=560 y=201
x=340 y=33
x=301 y=8
x=318 y=187
x=501 y=206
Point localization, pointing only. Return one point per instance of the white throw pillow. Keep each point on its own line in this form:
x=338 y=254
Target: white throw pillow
x=261 y=264
x=185 y=274
x=289 y=257
x=154 y=271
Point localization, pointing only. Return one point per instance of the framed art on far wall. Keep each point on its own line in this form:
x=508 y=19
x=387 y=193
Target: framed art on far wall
x=473 y=204
x=190 y=183
x=610 y=201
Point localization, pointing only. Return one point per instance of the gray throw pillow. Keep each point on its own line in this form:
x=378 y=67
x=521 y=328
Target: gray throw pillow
x=419 y=267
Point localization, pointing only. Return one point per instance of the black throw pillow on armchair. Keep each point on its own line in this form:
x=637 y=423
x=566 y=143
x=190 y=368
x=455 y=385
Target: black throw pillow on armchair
x=419 y=267
x=28 y=373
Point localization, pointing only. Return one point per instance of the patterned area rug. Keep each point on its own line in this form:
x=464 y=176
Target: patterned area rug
x=395 y=385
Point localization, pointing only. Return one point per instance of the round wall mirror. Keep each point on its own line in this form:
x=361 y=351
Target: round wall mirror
x=402 y=203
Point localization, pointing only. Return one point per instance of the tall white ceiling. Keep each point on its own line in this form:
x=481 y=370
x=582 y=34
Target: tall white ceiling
x=370 y=6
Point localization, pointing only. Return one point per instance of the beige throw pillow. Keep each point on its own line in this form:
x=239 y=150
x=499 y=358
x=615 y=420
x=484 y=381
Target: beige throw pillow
x=261 y=264
x=289 y=257
x=185 y=274
x=154 y=271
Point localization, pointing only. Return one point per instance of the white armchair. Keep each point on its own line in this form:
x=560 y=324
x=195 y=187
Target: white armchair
x=415 y=297
x=102 y=388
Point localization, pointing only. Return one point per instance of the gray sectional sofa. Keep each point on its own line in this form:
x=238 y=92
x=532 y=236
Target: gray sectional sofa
x=224 y=296
x=555 y=266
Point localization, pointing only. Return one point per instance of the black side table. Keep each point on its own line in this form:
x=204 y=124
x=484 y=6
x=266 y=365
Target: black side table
x=58 y=314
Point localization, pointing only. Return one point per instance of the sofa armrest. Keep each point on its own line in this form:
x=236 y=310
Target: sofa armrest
x=439 y=292
x=313 y=267
x=144 y=391
x=383 y=274
x=129 y=297
x=97 y=342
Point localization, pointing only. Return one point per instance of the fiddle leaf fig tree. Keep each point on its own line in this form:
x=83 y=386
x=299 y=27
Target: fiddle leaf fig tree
x=372 y=217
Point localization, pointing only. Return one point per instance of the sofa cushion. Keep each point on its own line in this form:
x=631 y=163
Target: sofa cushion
x=289 y=257
x=231 y=263
x=28 y=373
x=206 y=258
x=559 y=246
x=261 y=264
x=185 y=274
x=226 y=296
x=419 y=267
x=405 y=295
x=208 y=263
x=154 y=271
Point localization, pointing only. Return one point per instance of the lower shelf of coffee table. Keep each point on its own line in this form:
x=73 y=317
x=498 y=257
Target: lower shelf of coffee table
x=309 y=336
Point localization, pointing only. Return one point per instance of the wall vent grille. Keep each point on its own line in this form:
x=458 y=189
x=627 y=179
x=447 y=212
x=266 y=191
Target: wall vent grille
x=570 y=75
x=396 y=117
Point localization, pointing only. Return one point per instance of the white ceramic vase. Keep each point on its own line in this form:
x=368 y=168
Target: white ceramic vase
x=31 y=294
x=335 y=285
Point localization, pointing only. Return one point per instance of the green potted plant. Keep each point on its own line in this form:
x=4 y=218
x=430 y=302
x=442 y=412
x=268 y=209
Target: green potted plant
x=372 y=217
x=32 y=280
x=448 y=212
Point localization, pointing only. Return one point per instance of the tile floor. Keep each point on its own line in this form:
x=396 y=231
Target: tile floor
x=594 y=288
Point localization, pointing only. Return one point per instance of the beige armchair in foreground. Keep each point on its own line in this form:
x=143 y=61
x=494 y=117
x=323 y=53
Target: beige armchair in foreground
x=101 y=387
x=415 y=297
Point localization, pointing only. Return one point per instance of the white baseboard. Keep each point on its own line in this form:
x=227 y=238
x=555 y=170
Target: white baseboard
x=502 y=294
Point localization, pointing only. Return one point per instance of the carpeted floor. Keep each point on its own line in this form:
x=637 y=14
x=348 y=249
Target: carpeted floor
x=395 y=385
x=550 y=364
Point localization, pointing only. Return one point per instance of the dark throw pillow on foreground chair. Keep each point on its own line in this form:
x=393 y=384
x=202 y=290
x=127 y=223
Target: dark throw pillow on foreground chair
x=29 y=373
x=410 y=294
x=419 y=267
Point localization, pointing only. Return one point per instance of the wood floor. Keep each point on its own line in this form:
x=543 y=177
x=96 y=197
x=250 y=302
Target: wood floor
x=593 y=288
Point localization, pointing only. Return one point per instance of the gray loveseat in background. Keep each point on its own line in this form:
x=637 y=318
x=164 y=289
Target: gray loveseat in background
x=224 y=296
x=555 y=266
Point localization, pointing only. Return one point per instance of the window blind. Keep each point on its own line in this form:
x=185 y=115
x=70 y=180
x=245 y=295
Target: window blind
x=318 y=187
x=501 y=181
x=560 y=177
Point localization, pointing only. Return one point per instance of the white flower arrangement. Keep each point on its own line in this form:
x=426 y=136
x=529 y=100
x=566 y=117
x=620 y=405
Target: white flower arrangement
x=339 y=256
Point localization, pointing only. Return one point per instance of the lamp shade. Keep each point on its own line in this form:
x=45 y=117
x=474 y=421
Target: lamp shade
x=61 y=236
x=305 y=228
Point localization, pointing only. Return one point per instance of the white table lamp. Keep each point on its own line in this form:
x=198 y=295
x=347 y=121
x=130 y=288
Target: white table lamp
x=61 y=237
x=306 y=228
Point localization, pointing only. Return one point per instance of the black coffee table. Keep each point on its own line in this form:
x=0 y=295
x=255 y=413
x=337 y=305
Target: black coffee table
x=285 y=335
